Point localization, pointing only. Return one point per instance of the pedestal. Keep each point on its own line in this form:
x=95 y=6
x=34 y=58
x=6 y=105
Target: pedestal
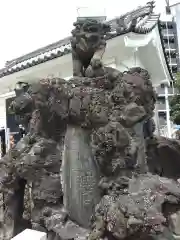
x=29 y=234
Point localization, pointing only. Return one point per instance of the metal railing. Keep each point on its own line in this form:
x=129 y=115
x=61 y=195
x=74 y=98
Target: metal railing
x=161 y=106
x=167 y=32
x=170 y=46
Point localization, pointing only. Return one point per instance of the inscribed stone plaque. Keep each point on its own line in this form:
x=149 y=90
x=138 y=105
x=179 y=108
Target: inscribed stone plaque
x=80 y=176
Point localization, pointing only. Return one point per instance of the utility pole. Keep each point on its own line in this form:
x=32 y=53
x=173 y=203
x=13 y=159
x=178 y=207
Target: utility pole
x=168 y=9
x=168 y=5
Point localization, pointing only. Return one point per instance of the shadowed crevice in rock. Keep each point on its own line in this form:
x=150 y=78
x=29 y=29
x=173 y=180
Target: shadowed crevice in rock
x=163 y=157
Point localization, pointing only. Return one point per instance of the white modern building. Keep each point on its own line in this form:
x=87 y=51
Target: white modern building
x=140 y=46
x=170 y=31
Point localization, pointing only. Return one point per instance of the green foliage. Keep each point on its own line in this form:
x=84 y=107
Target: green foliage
x=175 y=102
x=177 y=82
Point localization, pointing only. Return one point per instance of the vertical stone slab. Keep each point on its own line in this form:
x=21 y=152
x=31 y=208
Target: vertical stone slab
x=1 y=217
x=80 y=176
x=140 y=142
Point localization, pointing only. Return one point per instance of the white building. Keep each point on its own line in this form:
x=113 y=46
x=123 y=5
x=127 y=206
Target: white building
x=142 y=46
x=170 y=30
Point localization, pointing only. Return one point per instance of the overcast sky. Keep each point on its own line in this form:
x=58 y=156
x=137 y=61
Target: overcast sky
x=26 y=25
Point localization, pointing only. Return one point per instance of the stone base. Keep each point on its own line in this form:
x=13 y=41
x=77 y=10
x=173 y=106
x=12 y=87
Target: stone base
x=29 y=234
x=176 y=236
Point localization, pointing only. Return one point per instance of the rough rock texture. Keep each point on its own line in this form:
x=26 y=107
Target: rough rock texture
x=96 y=129
x=36 y=159
x=134 y=208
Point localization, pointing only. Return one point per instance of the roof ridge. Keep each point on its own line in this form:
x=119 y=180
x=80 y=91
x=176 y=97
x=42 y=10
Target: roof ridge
x=49 y=47
x=119 y=26
x=37 y=52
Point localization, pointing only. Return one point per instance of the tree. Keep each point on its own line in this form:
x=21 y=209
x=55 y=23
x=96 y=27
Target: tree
x=175 y=102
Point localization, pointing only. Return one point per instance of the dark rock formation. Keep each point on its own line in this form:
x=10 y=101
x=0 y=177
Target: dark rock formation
x=133 y=208
x=96 y=129
x=163 y=157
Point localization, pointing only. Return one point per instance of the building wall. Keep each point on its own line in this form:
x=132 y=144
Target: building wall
x=8 y=122
x=170 y=29
x=176 y=14
x=132 y=61
x=2 y=114
x=148 y=55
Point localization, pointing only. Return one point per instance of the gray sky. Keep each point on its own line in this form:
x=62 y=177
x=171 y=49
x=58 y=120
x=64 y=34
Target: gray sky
x=29 y=24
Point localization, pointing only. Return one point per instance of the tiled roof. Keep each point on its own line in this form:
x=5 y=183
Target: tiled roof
x=143 y=21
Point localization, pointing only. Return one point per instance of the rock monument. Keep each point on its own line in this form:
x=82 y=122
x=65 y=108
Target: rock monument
x=96 y=129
